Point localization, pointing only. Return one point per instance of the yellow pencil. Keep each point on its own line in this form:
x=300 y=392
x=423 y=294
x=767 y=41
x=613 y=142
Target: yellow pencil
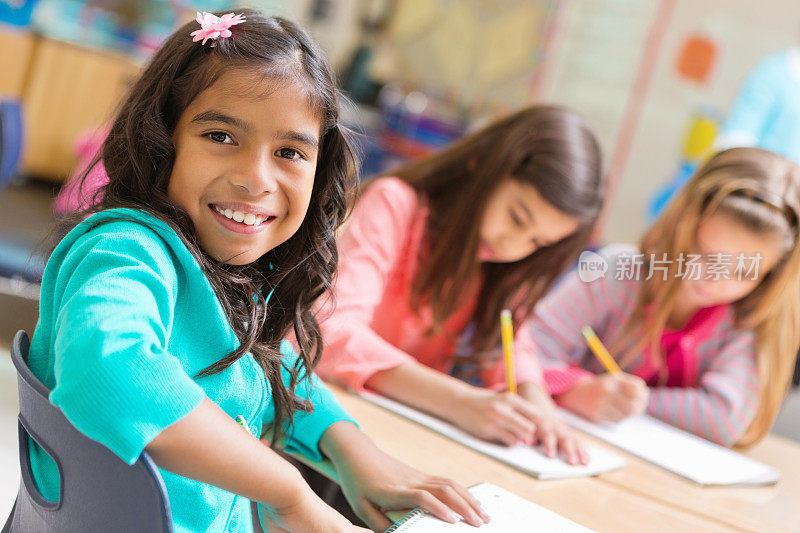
x=507 y=333
x=599 y=350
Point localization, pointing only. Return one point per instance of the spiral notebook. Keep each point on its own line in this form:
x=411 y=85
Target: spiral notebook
x=526 y=458
x=679 y=452
x=508 y=512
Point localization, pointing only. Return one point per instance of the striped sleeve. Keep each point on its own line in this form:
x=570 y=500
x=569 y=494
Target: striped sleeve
x=555 y=328
x=723 y=405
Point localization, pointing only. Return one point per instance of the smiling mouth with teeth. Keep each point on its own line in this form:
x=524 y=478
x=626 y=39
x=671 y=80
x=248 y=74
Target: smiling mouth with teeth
x=249 y=219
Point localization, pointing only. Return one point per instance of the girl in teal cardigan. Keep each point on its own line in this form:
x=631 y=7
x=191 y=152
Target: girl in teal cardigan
x=164 y=313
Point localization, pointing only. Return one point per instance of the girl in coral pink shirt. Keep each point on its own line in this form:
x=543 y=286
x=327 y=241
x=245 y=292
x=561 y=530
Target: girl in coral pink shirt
x=432 y=255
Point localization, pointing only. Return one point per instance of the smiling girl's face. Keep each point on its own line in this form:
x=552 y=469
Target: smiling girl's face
x=244 y=166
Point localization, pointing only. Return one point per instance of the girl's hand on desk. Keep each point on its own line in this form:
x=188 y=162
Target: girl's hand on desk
x=374 y=482
x=607 y=397
x=554 y=435
x=500 y=417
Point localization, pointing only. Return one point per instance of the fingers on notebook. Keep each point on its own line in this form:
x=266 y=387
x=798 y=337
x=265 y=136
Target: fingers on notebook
x=537 y=427
x=523 y=406
x=549 y=442
x=569 y=448
x=517 y=421
x=461 y=501
x=524 y=430
x=471 y=500
x=506 y=437
x=435 y=506
x=548 y=430
x=373 y=516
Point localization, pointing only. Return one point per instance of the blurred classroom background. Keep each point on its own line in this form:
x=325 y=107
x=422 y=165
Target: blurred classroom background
x=656 y=79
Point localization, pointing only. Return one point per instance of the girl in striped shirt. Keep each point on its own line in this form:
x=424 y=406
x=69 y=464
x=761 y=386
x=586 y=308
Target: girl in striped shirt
x=702 y=318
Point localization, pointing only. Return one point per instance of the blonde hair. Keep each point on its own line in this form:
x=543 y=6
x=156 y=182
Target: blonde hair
x=761 y=191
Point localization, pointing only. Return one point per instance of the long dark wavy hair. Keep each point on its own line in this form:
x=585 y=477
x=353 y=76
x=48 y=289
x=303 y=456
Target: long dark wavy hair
x=550 y=148
x=138 y=156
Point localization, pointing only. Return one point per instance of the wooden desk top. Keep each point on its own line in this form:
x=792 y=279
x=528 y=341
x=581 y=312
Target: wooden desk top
x=772 y=508
x=603 y=505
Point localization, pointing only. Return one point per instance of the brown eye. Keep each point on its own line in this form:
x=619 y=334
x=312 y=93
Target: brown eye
x=289 y=153
x=220 y=137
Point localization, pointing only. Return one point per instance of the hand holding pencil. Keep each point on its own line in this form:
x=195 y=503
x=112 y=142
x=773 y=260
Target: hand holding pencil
x=609 y=397
x=522 y=415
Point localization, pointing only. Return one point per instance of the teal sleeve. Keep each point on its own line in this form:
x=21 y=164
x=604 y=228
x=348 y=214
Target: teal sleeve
x=308 y=428
x=115 y=378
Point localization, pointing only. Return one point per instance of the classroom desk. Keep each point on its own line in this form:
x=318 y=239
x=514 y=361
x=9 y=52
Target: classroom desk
x=773 y=508
x=599 y=504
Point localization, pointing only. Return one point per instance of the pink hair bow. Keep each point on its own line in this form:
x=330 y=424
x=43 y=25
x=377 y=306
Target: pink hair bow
x=213 y=27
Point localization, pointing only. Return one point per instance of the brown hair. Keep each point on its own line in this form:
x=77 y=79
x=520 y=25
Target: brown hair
x=138 y=156
x=761 y=191
x=550 y=148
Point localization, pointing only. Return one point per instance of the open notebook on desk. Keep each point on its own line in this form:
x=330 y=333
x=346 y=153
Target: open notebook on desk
x=525 y=458
x=679 y=452
x=508 y=512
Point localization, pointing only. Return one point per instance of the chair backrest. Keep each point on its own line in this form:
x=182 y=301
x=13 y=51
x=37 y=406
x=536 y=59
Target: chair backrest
x=11 y=136
x=99 y=491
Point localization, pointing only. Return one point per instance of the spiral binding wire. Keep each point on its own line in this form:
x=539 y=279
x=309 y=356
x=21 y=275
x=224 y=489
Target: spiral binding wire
x=413 y=516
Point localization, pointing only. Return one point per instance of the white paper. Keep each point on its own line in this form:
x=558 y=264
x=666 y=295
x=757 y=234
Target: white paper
x=508 y=512
x=526 y=458
x=680 y=452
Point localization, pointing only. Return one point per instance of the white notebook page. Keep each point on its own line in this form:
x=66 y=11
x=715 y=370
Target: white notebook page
x=525 y=458
x=509 y=513
x=680 y=452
